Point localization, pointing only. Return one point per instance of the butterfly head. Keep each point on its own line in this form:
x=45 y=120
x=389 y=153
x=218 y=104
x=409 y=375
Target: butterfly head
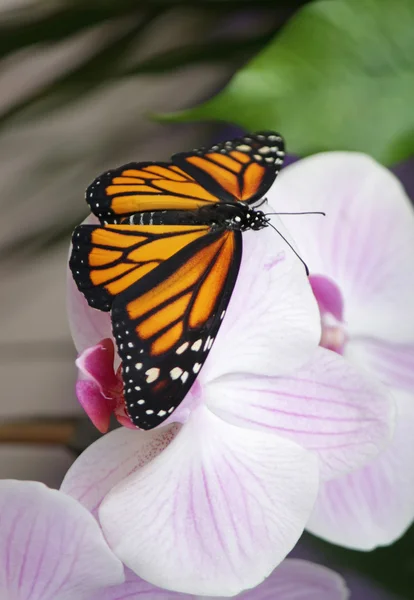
x=255 y=219
x=240 y=216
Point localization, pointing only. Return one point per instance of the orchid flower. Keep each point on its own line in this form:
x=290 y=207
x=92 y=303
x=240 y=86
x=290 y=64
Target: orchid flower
x=51 y=548
x=214 y=500
x=361 y=259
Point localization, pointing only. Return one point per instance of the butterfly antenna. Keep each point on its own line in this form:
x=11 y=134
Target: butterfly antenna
x=291 y=247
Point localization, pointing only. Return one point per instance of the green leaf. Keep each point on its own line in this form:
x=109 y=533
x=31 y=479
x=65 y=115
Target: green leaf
x=339 y=76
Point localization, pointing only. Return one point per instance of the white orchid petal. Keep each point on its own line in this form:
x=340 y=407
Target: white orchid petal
x=293 y=579
x=272 y=323
x=109 y=460
x=51 y=548
x=327 y=406
x=391 y=363
x=375 y=505
x=365 y=244
x=297 y=579
x=215 y=512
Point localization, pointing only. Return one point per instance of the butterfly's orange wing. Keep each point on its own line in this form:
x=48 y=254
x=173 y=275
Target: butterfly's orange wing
x=138 y=187
x=167 y=288
x=107 y=260
x=242 y=169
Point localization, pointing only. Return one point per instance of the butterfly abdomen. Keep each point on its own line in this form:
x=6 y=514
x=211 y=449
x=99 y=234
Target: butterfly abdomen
x=165 y=217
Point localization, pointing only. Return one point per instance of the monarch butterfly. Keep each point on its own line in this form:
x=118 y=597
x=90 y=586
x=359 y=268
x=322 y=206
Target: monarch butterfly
x=165 y=257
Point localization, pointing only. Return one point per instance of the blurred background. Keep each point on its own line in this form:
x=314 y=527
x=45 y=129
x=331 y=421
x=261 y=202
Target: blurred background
x=89 y=86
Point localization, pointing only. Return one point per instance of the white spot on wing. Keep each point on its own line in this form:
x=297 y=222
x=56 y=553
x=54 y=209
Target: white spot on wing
x=152 y=374
x=138 y=366
x=182 y=348
x=197 y=367
x=175 y=372
x=197 y=345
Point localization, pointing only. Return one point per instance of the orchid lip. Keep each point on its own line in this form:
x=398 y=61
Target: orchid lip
x=331 y=306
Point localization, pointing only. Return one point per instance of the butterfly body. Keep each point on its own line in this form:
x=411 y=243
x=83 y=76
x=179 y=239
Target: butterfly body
x=164 y=260
x=225 y=215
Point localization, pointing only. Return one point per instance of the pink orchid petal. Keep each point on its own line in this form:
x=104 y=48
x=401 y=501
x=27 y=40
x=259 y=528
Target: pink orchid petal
x=97 y=363
x=215 y=512
x=110 y=459
x=125 y=422
x=391 y=363
x=94 y=404
x=328 y=295
x=293 y=579
x=296 y=579
x=51 y=548
x=365 y=244
x=136 y=588
x=375 y=505
x=327 y=406
x=272 y=324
